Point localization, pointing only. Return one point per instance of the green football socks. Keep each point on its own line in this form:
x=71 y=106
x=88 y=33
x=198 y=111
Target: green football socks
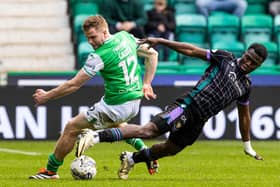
x=53 y=163
x=137 y=143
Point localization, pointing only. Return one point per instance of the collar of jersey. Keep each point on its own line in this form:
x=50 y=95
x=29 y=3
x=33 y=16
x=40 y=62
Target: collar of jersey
x=108 y=39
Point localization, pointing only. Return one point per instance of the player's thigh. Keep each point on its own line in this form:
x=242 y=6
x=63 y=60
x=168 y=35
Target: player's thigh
x=80 y=122
x=102 y=115
x=187 y=135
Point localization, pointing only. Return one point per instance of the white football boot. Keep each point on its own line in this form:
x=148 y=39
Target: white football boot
x=86 y=140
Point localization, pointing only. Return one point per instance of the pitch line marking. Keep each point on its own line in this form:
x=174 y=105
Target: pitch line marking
x=19 y=152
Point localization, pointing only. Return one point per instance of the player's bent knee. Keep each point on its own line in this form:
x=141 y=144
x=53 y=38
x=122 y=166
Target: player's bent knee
x=71 y=129
x=145 y=133
x=148 y=131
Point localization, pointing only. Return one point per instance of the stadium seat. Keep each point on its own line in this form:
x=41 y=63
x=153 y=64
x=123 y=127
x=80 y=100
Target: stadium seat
x=277 y=28
x=218 y=13
x=184 y=8
x=73 y=2
x=85 y=8
x=236 y=47
x=148 y=1
x=184 y=1
x=267 y=70
x=256 y=28
x=272 y=49
x=173 y=56
x=148 y=4
x=192 y=61
x=84 y=48
x=148 y=7
x=171 y=3
x=175 y=68
x=77 y=24
x=165 y=67
x=257 y=1
x=191 y=28
x=257 y=8
x=223 y=27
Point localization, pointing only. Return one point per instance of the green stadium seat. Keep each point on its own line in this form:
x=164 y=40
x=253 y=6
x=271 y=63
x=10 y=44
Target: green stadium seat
x=77 y=24
x=272 y=49
x=85 y=8
x=256 y=28
x=148 y=4
x=171 y=3
x=277 y=28
x=148 y=7
x=218 y=13
x=73 y=2
x=175 y=68
x=257 y=1
x=223 y=27
x=148 y=1
x=165 y=67
x=257 y=8
x=267 y=70
x=194 y=68
x=173 y=55
x=236 y=47
x=84 y=49
x=184 y=1
x=192 y=61
x=185 y=8
x=191 y=28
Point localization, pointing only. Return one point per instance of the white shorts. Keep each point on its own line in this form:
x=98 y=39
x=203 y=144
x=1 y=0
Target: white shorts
x=102 y=115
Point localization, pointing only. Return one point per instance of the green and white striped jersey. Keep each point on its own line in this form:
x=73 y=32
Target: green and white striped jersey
x=116 y=60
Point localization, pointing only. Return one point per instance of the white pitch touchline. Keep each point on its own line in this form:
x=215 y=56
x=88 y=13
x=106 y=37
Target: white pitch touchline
x=19 y=152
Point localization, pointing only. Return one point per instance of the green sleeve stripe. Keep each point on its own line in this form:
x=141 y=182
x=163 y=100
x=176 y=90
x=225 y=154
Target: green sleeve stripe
x=87 y=72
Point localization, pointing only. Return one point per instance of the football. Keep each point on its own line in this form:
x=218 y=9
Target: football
x=83 y=168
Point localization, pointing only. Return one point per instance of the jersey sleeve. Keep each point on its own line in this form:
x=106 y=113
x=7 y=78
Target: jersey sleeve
x=244 y=100
x=93 y=64
x=218 y=56
x=131 y=36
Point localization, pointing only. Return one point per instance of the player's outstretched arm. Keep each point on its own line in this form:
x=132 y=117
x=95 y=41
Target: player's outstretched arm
x=244 y=127
x=151 y=61
x=41 y=96
x=181 y=47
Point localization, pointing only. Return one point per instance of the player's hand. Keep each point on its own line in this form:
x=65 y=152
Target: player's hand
x=40 y=97
x=253 y=154
x=161 y=27
x=151 y=41
x=128 y=25
x=148 y=92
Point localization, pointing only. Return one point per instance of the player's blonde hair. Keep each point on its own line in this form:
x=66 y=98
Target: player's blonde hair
x=98 y=22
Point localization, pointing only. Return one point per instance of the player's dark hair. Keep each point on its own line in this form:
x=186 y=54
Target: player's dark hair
x=259 y=49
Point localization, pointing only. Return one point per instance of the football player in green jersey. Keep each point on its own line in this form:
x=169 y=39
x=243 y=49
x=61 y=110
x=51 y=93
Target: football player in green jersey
x=115 y=57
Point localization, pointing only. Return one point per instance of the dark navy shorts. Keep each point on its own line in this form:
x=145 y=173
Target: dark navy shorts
x=184 y=125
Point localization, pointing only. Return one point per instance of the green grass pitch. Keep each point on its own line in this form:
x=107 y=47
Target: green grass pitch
x=206 y=163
